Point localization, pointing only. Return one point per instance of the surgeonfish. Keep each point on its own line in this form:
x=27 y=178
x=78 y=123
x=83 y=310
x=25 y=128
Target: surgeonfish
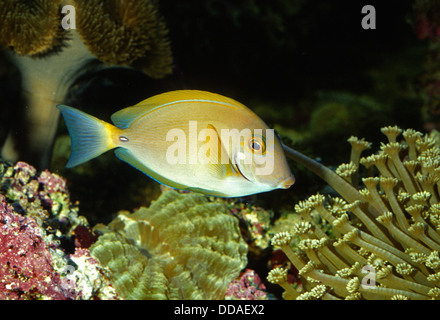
x=189 y=140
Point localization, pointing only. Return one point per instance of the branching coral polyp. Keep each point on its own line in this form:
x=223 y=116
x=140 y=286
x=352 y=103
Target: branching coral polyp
x=386 y=231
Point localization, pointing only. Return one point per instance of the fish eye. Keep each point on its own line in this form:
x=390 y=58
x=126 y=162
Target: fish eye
x=257 y=145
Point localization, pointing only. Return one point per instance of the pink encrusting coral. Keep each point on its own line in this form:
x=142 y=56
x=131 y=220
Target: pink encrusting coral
x=248 y=287
x=26 y=270
x=52 y=182
x=39 y=227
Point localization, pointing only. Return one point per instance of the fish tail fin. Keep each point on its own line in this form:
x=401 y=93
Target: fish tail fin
x=90 y=137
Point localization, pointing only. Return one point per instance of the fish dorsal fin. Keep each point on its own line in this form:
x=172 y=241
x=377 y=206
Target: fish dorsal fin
x=125 y=117
x=219 y=163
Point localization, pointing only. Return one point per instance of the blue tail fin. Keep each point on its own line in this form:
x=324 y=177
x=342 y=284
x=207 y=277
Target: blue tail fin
x=90 y=136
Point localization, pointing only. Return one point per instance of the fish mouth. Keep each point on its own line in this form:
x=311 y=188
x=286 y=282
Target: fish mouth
x=286 y=183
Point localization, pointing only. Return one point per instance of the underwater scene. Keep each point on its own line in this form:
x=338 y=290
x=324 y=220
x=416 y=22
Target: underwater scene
x=219 y=150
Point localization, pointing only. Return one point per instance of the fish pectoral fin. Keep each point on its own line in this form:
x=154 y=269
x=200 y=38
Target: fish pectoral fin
x=220 y=171
x=218 y=161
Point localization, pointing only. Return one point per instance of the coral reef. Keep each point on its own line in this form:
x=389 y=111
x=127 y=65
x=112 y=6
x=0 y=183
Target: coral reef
x=51 y=59
x=88 y=277
x=255 y=223
x=182 y=247
x=43 y=242
x=26 y=270
x=41 y=195
x=36 y=36
x=377 y=242
x=126 y=33
x=248 y=287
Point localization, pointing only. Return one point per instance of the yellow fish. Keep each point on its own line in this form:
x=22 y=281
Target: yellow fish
x=189 y=140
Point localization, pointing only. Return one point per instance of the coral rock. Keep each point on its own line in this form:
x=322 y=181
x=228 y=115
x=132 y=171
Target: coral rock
x=26 y=270
x=42 y=195
x=38 y=225
x=87 y=275
x=248 y=287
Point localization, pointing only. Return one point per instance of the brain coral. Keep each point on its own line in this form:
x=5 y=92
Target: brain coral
x=182 y=247
x=384 y=240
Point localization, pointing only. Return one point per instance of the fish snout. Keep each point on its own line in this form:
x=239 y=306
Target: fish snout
x=287 y=183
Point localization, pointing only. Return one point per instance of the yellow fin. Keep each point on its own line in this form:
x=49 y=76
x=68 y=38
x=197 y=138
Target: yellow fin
x=125 y=117
x=217 y=166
